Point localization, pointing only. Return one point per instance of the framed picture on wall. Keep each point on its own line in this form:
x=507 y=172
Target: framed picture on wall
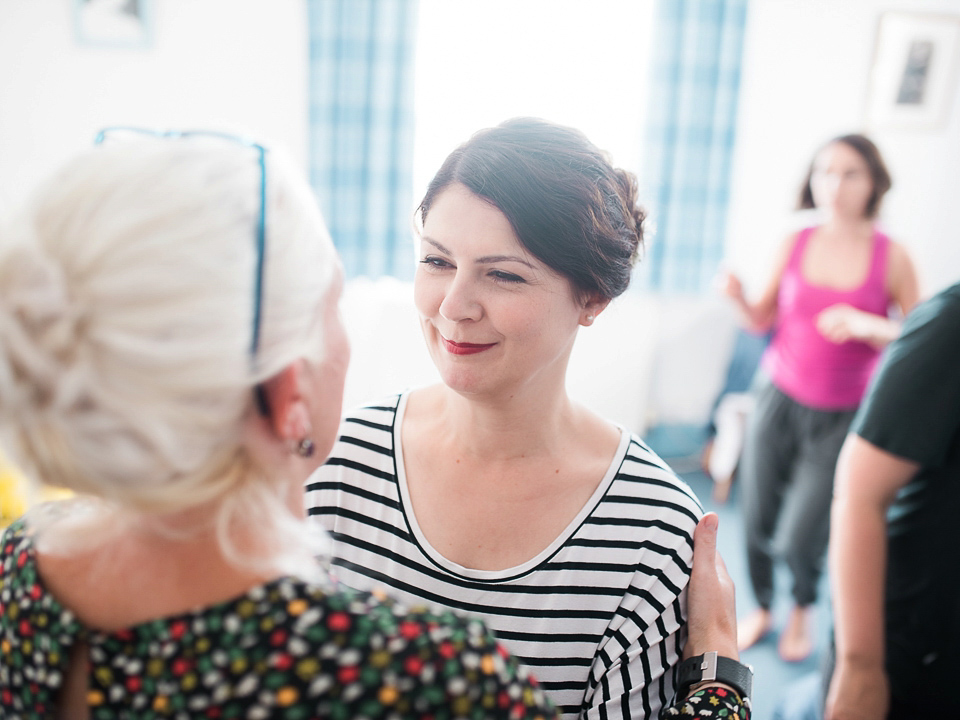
x=114 y=23
x=915 y=71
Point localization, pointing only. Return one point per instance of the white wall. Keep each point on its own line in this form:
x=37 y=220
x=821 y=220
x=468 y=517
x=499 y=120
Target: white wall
x=596 y=84
x=609 y=372
x=806 y=73
x=805 y=79
x=242 y=64
x=239 y=65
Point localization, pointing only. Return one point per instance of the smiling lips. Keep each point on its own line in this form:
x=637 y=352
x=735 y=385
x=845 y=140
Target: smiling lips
x=465 y=348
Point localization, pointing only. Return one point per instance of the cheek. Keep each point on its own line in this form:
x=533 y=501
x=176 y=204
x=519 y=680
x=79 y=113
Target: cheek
x=333 y=369
x=865 y=190
x=343 y=364
x=822 y=188
x=538 y=323
x=326 y=419
x=427 y=294
x=856 y=195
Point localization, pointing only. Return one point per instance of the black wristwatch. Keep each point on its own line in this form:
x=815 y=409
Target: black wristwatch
x=711 y=667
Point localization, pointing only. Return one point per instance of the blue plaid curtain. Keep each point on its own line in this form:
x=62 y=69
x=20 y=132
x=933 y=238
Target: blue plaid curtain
x=361 y=129
x=695 y=82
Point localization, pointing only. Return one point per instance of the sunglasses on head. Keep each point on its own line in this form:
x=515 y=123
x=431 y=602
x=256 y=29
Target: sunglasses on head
x=112 y=133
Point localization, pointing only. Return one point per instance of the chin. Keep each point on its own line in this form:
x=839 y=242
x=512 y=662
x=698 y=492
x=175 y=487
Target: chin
x=464 y=383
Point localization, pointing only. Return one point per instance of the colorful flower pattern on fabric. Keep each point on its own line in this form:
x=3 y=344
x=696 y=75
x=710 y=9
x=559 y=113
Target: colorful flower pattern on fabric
x=286 y=650
x=710 y=702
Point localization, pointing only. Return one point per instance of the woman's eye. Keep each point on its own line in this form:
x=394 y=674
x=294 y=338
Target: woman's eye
x=502 y=276
x=436 y=262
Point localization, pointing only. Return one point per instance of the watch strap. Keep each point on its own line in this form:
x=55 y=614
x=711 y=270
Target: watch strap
x=711 y=667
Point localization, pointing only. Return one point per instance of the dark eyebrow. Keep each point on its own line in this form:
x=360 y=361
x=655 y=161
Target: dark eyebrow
x=486 y=259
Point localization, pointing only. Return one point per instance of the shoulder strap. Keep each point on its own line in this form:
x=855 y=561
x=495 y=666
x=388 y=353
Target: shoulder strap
x=880 y=262
x=796 y=252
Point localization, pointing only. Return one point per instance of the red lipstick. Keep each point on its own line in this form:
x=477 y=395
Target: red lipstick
x=465 y=348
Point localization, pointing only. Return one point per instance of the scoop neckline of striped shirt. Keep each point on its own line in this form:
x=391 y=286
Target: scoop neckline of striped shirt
x=524 y=568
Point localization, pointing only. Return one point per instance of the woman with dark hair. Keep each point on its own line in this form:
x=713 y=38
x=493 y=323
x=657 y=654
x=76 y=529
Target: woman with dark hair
x=827 y=303
x=494 y=493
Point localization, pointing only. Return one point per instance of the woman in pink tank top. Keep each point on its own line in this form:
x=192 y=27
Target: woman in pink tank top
x=827 y=303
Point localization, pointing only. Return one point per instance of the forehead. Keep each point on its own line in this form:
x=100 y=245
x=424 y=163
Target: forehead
x=464 y=222
x=840 y=154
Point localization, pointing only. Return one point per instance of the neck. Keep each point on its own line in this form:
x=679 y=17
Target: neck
x=178 y=543
x=525 y=424
x=849 y=225
x=140 y=570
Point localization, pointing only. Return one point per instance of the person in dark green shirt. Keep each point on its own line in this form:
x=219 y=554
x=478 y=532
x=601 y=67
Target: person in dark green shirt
x=895 y=557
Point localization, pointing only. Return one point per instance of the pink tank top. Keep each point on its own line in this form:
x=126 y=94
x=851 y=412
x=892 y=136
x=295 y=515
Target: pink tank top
x=801 y=362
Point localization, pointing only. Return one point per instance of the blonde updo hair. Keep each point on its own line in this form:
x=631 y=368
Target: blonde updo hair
x=126 y=317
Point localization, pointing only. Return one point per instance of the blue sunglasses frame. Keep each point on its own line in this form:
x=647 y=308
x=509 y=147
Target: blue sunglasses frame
x=261 y=229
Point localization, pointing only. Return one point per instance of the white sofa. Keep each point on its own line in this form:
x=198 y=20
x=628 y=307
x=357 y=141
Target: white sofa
x=647 y=359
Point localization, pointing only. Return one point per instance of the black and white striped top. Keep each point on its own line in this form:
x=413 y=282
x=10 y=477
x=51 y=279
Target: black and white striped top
x=599 y=615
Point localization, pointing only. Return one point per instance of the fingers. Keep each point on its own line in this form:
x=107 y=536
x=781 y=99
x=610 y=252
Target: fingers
x=705 y=541
x=711 y=603
x=722 y=570
x=834 y=323
x=706 y=559
x=728 y=284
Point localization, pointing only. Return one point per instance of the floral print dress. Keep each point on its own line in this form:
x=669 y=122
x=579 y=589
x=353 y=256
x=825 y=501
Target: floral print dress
x=286 y=650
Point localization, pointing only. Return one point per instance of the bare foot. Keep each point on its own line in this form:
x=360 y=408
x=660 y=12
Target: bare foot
x=721 y=489
x=753 y=628
x=796 y=641
x=705 y=457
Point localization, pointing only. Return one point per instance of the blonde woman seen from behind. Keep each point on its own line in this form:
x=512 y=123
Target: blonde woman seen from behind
x=171 y=351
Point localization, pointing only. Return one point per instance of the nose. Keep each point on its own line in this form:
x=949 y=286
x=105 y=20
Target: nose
x=829 y=186
x=829 y=179
x=461 y=300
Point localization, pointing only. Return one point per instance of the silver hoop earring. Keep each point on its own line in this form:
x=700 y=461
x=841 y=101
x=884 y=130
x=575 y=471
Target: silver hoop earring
x=306 y=448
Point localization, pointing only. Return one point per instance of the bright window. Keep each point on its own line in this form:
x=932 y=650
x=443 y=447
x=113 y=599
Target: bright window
x=480 y=62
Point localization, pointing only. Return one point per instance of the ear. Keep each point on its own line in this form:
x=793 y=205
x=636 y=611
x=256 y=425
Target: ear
x=594 y=305
x=289 y=418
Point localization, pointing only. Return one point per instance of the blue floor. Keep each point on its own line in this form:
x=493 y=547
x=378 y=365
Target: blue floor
x=772 y=677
